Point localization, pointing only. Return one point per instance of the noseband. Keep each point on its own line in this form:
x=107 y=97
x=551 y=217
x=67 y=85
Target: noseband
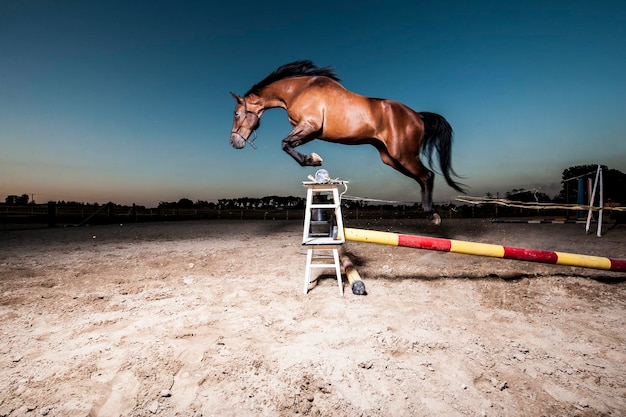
x=245 y=118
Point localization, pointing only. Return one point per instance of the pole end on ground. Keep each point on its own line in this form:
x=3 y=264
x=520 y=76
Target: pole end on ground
x=358 y=288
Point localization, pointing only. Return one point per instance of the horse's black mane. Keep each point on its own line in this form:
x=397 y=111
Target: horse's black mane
x=294 y=69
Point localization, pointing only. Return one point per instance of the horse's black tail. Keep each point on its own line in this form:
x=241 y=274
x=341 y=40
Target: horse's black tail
x=438 y=136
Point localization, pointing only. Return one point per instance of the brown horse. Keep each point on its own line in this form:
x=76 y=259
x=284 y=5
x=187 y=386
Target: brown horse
x=319 y=107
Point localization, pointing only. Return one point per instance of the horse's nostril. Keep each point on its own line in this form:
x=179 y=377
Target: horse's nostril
x=237 y=142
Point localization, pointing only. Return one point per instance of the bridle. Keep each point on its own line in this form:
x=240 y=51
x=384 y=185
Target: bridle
x=245 y=118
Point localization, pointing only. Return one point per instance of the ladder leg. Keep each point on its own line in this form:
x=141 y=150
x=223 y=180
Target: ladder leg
x=307 y=215
x=338 y=271
x=307 y=273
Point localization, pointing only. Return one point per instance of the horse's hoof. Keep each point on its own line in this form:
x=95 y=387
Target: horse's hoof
x=435 y=219
x=316 y=160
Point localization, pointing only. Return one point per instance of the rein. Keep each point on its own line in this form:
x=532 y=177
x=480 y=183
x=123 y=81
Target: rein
x=251 y=142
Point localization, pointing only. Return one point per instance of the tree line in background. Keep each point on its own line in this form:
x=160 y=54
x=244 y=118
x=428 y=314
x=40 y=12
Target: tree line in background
x=614 y=191
x=614 y=186
x=243 y=203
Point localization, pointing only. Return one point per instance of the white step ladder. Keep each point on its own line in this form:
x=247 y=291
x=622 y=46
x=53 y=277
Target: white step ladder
x=323 y=229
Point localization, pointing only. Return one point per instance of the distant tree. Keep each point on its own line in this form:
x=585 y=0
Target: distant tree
x=614 y=185
x=614 y=182
x=527 y=196
x=353 y=204
x=73 y=204
x=297 y=203
x=226 y=203
x=182 y=203
x=267 y=202
x=569 y=180
x=185 y=203
x=204 y=204
x=15 y=200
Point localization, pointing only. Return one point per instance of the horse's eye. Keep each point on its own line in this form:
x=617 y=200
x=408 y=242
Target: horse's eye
x=237 y=113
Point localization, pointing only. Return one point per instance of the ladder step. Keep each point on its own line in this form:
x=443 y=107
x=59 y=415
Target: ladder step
x=326 y=206
x=322 y=241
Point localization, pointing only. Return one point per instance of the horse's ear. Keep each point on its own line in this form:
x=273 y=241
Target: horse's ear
x=236 y=97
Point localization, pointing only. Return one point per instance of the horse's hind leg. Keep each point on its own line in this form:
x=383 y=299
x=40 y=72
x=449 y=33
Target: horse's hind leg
x=427 y=181
x=427 y=185
x=424 y=177
x=299 y=136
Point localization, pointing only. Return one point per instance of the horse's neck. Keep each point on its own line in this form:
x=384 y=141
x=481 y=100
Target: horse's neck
x=272 y=102
x=280 y=93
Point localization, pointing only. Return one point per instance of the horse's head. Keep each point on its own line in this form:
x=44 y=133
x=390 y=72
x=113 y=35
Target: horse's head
x=246 y=119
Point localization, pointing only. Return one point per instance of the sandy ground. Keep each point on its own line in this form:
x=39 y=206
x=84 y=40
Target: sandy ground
x=210 y=319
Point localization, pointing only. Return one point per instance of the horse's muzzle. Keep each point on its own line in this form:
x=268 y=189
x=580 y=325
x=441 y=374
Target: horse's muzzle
x=237 y=141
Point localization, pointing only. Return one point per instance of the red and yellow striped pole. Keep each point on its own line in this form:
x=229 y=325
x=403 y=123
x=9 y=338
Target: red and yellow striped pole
x=485 y=249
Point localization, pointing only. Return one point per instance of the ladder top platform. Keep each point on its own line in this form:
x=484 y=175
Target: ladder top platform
x=322 y=184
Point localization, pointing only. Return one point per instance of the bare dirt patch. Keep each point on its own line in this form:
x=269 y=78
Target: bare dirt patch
x=209 y=319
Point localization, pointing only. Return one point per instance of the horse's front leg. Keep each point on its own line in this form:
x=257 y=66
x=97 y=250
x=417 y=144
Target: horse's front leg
x=299 y=136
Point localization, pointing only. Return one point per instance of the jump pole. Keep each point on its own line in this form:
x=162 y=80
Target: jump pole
x=485 y=249
x=356 y=284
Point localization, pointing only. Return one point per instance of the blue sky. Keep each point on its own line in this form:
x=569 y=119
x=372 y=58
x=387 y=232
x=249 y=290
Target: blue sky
x=129 y=101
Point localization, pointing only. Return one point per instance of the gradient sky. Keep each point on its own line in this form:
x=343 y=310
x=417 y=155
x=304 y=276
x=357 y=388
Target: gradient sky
x=128 y=101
